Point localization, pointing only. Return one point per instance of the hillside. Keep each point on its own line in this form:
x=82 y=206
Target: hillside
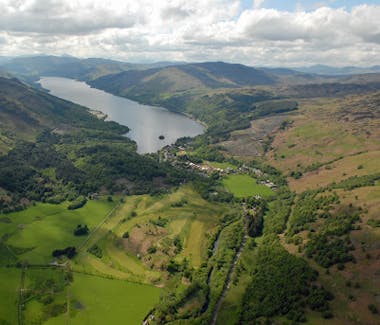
x=326 y=145
x=224 y=96
x=328 y=148
x=270 y=216
x=25 y=111
x=52 y=150
x=183 y=78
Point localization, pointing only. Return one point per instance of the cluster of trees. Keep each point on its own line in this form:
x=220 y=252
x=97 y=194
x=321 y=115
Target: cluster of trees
x=282 y=284
x=210 y=189
x=307 y=208
x=278 y=212
x=328 y=250
x=96 y=251
x=255 y=208
x=48 y=169
x=37 y=171
x=69 y=251
x=81 y=230
x=331 y=244
x=358 y=181
x=78 y=203
x=160 y=222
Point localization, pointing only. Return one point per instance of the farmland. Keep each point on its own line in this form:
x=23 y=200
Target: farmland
x=9 y=295
x=99 y=306
x=175 y=227
x=35 y=232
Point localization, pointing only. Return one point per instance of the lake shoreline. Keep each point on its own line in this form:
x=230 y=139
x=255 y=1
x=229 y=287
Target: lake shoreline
x=146 y=123
x=152 y=105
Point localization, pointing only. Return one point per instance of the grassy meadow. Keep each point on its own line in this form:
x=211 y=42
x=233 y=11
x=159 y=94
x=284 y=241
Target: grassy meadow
x=34 y=233
x=97 y=301
x=9 y=295
x=244 y=185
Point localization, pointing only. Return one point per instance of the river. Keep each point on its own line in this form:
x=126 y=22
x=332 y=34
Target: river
x=146 y=122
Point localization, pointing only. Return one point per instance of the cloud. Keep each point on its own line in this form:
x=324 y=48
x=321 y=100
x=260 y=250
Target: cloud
x=258 y=3
x=191 y=30
x=62 y=17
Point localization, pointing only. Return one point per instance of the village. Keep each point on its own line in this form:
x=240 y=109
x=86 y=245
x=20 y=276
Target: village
x=177 y=157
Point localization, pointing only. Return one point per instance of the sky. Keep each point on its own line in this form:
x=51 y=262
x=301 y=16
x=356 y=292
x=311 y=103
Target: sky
x=258 y=33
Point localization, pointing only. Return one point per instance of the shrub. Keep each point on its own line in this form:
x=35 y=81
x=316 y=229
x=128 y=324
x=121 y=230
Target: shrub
x=373 y=309
x=81 y=230
x=70 y=252
x=173 y=267
x=152 y=250
x=327 y=314
x=96 y=251
x=80 y=202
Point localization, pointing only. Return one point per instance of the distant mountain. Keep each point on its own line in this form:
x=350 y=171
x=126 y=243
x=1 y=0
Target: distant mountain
x=30 y=68
x=208 y=75
x=4 y=59
x=335 y=71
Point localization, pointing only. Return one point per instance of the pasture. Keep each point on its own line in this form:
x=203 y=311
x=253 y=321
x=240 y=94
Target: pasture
x=34 y=233
x=9 y=294
x=171 y=227
x=244 y=185
x=97 y=301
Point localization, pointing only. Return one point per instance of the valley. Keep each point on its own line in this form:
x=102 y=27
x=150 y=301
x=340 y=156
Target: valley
x=146 y=123
x=269 y=216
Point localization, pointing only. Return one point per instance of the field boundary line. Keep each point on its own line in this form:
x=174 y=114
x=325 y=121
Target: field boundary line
x=20 y=297
x=98 y=227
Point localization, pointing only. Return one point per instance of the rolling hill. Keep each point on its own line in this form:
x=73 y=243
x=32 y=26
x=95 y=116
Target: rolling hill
x=182 y=78
x=31 y=68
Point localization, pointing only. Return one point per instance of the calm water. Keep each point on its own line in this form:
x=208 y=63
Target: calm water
x=147 y=123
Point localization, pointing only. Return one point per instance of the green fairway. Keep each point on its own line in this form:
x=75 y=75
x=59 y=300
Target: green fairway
x=9 y=295
x=34 y=233
x=95 y=300
x=244 y=185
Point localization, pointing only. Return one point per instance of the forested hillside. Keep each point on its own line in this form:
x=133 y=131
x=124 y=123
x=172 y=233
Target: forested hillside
x=53 y=150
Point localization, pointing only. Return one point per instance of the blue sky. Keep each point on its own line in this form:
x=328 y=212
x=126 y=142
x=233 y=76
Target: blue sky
x=309 y=4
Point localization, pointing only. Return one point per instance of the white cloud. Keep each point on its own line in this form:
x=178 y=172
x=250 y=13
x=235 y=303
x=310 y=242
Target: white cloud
x=191 y=30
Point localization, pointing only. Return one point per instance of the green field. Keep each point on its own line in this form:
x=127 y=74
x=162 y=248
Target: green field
x=231 y=307
x=126 y=268
x=244 y=185
x=44 y=294
x=34 y=233
x=222 y=165
x=95 y=300
x=9 y=295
